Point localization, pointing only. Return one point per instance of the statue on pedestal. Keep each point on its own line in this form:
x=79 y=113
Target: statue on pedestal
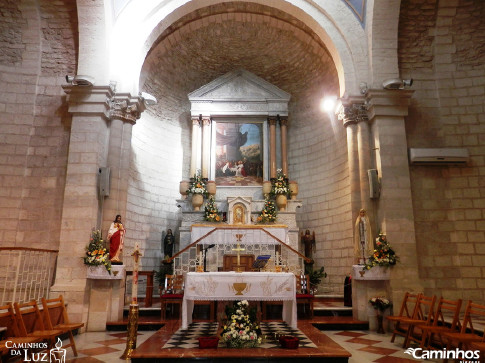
x=308 y=241
x=363 y=243
x=168 y=243
x=116 y=236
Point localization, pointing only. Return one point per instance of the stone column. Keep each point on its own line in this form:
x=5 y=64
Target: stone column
x=272 y=146
x=206 y=146
x=386 y=111
x=95 y=141
x=284 y=149
x=196 y=120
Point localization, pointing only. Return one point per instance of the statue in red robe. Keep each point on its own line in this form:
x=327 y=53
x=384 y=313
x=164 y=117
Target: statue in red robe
x=116 y=235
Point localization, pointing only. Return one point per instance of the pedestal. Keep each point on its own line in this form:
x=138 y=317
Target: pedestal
x=372 y=283
x=106 y=299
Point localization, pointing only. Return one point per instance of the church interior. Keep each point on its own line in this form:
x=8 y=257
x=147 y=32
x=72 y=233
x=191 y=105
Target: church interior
x=307 y=171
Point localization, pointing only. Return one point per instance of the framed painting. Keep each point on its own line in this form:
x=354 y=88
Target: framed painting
x=239 y=153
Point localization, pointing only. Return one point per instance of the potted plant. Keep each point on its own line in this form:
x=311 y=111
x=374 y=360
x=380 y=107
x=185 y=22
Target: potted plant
x=198 y=190
x=166 y=268
x=315 y=276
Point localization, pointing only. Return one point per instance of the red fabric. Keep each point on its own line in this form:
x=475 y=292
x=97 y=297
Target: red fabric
x=114 y=244
x=172 y=296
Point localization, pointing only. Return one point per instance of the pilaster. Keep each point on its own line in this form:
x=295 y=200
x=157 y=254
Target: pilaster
x=272 y=146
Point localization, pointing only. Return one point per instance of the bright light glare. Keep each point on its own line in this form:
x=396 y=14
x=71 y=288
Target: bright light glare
x=328 y=103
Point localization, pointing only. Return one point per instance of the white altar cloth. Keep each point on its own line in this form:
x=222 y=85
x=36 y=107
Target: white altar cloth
x=230 y=286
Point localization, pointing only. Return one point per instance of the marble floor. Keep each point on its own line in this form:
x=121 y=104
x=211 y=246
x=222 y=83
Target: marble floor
x=365 y=346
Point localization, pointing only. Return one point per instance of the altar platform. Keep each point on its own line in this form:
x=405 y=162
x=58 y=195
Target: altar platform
x=326 y=349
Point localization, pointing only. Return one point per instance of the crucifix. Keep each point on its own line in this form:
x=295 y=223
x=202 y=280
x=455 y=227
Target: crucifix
x=238 y=251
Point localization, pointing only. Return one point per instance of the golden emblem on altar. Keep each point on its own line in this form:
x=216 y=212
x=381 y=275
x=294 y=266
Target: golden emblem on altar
x=239 y=287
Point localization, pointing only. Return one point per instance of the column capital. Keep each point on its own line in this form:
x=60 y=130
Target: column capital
x=103 y=101
x=206 y=120
x=272 y=120
x=195 y=121
x=352 y=113
x=283 y=120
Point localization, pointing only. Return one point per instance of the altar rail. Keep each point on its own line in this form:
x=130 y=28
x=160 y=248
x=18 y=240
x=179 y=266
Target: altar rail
x=26 y=273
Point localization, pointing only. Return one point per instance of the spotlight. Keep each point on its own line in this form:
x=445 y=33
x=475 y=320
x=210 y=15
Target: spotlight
x=79 y=80
x=148 y=99
x=396 y=83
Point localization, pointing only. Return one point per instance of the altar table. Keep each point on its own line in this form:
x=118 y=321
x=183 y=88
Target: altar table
x=230 y=286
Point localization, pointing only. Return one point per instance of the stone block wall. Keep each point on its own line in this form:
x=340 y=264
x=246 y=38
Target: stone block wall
x=441 y=47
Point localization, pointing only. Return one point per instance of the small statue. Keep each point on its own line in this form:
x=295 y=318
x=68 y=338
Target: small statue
x=363 y=243
x=309 y=242
x=168 y=243
x=116 y=236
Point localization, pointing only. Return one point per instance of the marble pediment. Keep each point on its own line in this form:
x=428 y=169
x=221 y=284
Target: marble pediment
x=239 y=92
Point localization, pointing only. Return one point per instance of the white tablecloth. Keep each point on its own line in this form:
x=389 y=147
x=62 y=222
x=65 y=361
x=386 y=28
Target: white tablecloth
x=230 y=286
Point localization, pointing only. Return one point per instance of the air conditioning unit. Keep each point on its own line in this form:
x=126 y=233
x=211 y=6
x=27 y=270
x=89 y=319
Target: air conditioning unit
x=438 y=156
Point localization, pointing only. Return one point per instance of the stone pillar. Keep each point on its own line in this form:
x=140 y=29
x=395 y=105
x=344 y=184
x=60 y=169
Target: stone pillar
x=272 y=146
x=206 y=146
x=196 y=120
x=394 y=212
x=100 y=135
x=284 y=149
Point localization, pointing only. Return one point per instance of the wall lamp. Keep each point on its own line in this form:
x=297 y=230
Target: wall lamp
x=80 y=80
x=396 y=83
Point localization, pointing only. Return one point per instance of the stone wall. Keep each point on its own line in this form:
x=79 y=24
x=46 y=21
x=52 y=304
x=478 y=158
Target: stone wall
x=37 y=48
x=441 y=47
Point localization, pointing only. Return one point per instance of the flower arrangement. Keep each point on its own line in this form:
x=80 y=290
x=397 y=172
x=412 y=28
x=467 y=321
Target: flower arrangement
x=268 y=214
x=96 y=254
x=383 y=254
x=211 y=213
x=241 y=329
x=197 y=185
x=279 y=185
x=380 y=303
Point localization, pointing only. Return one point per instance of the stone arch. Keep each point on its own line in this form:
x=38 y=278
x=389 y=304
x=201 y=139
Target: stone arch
x=135 y=28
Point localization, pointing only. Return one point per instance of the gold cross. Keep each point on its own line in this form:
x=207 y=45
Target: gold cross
x=238 y=251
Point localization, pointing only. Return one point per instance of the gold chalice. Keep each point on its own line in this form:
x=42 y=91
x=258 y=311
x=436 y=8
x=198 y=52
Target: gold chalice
x=239 y=287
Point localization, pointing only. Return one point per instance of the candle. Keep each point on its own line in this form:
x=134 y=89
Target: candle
x=200 y=257
x=277 y=262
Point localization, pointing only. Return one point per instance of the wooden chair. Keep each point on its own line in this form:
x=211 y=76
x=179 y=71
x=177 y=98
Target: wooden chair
x=12 y=334
x=432 y=334
x=31 y=323
x=56 y=317
x=423 y=315
x=303 y=293
x=172 y=293
x=407 y=310
x=468 y=334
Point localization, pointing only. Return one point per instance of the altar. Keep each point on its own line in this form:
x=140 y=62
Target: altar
x=230 y=286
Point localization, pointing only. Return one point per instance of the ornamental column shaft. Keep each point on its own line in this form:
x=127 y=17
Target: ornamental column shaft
x=272 y=147
x=206 y=146
x=195 y=146
x=284 y=148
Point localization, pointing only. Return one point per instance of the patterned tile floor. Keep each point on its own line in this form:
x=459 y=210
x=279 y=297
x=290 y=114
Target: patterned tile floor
x=365 y=346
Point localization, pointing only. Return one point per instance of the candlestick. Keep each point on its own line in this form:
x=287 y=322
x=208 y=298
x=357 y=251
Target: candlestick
x=277 y=262
x=200 y=257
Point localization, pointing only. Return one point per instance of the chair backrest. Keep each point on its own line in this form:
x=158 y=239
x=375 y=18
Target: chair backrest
x=303 y=284
x=472 y=312
x=29 y=317
x=9 y=321
x=446 y=309
x=55 y=311
x=174 y=284
x=425 y=308
x=409 y=305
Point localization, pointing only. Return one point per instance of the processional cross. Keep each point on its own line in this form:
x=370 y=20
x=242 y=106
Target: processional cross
x=238 y=251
